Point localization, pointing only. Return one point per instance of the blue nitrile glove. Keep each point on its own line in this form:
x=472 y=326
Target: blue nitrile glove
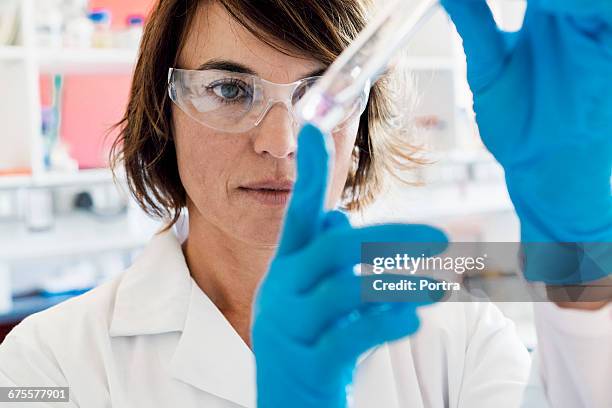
x=309 y=322
x=543 y=103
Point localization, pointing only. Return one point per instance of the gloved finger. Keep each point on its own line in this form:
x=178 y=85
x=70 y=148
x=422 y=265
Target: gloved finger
x=332 y=299
x=304 y=214
x=341 y=248
x=334 y=219
x=340 y=295
x=484 y=44
x=345 y=343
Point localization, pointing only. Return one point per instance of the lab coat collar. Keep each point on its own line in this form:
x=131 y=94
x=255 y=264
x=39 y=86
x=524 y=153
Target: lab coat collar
x=157 y=295
x=153 y=295
x=212 y=356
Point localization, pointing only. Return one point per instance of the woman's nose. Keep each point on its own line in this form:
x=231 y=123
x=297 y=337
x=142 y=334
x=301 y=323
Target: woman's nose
x=276 y=133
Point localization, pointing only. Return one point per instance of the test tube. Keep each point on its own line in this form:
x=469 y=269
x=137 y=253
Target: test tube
x=357 y=67
x=330 y=99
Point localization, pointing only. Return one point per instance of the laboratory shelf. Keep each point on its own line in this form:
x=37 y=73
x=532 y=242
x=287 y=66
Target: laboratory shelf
x=86 y=61
x=77 y=178
x=12 y=53
x=72 y=235
x=51 y=179
x=14 y=181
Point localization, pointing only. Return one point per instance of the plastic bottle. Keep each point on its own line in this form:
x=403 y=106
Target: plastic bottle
x=78 y=29
x=102 y=35
x=133 y=32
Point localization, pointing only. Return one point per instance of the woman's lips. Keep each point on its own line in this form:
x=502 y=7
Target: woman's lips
x=267 y=196
x=272 y=192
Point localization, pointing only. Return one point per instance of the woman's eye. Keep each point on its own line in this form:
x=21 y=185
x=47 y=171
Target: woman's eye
x=227 y=91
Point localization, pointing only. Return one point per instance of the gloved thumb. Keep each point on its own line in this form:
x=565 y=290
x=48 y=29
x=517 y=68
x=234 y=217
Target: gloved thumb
x=484 y=43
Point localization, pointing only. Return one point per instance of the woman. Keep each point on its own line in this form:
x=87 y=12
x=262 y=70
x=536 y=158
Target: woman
x=174 y=329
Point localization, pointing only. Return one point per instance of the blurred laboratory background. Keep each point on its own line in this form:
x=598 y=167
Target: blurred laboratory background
x=66 y=224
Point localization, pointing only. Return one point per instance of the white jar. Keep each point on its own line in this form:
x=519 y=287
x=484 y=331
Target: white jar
x=39 y=213
x=49 y=21
x=79 y=33
x=133 y=31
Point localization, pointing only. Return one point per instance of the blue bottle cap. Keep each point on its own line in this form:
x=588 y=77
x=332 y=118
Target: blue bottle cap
x=134 y=20
x=100 y=16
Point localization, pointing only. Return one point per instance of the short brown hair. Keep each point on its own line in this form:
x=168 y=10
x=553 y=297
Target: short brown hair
x=320 y=29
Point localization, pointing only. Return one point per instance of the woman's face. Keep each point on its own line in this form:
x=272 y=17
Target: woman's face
x=216 y=167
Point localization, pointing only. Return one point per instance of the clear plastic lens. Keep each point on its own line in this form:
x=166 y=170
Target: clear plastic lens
x=207 y=94
x=302 y=88
x=236 y=102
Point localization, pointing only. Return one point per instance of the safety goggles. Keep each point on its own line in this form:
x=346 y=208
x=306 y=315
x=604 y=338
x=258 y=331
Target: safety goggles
x=237 y=102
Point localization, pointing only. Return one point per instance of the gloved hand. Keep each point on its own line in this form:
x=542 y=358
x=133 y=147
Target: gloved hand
x=543 y=103
x=309 y=322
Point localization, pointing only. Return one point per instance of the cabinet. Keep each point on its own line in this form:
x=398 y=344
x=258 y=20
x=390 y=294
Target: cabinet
x=21 y=67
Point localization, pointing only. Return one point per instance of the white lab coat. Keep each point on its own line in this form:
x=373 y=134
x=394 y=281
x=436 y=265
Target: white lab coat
x=152 y=338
